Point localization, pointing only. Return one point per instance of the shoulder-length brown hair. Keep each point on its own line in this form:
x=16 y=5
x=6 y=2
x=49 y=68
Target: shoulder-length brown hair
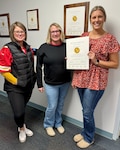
x=62 y=37
x=12 y=27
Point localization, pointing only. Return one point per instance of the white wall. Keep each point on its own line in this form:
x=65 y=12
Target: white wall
x=53 y=11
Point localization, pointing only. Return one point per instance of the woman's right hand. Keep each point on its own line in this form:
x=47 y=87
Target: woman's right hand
x=41 y=89
x=73 y=86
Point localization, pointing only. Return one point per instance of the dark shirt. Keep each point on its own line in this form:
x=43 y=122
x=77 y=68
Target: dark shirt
x=53 y=58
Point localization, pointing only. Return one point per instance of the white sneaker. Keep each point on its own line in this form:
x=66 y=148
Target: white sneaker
x=22 y=136
x=28 y=131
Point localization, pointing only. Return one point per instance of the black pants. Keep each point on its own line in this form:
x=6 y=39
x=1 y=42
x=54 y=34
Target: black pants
x=18 y=103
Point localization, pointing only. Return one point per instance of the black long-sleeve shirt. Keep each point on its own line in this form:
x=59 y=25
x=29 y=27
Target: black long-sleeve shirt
x=53 y=59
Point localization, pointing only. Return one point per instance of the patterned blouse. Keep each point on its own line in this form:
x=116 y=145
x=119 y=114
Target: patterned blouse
x=96 y=77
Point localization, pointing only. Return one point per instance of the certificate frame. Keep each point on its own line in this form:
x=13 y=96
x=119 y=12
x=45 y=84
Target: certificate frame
x=32 y=19
x=76 y=8
x=4 y=25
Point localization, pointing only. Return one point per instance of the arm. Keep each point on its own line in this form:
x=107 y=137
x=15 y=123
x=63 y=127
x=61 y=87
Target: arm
x=113 y=61
x=111 y=49
x=9 y=77
x=39 y=69
x=5 y=65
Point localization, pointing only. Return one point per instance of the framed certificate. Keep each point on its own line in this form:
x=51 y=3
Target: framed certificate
x=76 y=19
x=33 y=19
x=77 y=53
x=4 y=25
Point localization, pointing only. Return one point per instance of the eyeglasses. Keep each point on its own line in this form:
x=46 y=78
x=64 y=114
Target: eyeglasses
x=57 y=31
x=19 y=32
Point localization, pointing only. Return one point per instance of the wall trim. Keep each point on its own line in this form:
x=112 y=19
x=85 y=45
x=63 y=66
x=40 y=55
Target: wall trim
x=74 y=121
x=68 y=119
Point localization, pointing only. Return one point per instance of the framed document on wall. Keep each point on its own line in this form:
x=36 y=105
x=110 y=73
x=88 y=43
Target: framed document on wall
x=76 y=19
x=4 y=25
x=33 y=19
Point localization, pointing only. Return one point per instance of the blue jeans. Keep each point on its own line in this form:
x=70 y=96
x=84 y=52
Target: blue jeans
x=89 y=99
x=56 y=95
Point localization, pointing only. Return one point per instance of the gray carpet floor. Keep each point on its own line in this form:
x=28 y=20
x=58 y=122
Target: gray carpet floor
x=40 y=140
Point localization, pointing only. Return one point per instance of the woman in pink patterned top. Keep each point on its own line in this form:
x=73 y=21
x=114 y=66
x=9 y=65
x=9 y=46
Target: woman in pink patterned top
x=103 y=54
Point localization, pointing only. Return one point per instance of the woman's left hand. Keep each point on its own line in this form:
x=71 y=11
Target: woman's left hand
x=92 y=57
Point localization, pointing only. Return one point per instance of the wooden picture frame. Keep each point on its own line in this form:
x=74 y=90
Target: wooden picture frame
x=76 y=19
x=33 y=19
x=4 y=25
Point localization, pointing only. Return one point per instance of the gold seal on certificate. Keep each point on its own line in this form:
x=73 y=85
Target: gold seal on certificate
x=74 y=18
x=77 y=50
x=77 y=53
